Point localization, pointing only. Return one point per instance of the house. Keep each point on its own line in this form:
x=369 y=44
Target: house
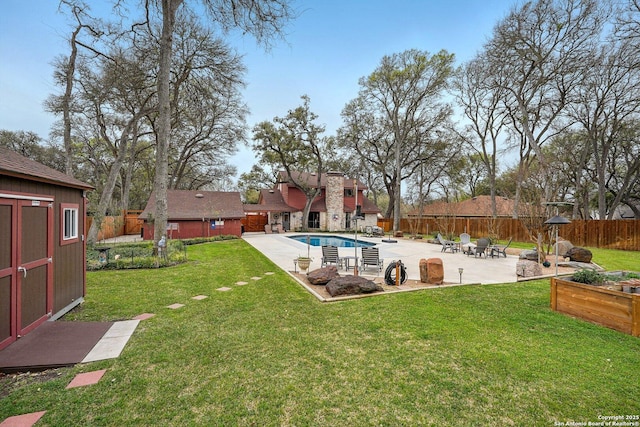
x=197 y=214
x=42 y=245
x=332 y=210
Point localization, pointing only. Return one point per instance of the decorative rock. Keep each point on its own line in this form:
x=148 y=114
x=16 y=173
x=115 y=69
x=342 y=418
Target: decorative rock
x=422 y=266
x=435 y=271
x=579 y=254
x=528 y=268
x=563 y=247
x=531 y=255
x=322 y=276
x=351 y=285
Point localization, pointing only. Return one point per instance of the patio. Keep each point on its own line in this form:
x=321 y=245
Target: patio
x=282 y=250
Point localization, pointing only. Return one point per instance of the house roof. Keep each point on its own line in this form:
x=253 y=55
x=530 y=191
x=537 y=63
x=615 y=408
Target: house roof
x=270 y=201
x=474 y=207
x=197 y=204
x=366 y=205
x=16 y=165
x=311 y=179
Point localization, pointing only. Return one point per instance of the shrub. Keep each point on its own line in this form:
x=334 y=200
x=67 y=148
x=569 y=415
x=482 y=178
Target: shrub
x=140 y=254
x=589 y=277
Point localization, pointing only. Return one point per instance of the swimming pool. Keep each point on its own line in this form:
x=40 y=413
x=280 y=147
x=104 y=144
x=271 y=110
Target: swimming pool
x=341 y=242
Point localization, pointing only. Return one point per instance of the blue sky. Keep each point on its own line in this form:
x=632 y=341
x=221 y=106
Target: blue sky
x=327 y=49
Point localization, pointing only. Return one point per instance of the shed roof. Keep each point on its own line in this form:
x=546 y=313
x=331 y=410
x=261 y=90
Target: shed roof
x=197 y=204
x=16 y=165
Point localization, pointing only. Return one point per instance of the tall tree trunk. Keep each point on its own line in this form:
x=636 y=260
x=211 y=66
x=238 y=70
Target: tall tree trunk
x=163 y=130
x=107 y=191
x=66 y=103
x=126 y=184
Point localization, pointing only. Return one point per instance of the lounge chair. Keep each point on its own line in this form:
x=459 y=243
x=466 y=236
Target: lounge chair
x=481 y=248
x=371 y=257
x=447 y=244
x=500 y=249
x=330 y=256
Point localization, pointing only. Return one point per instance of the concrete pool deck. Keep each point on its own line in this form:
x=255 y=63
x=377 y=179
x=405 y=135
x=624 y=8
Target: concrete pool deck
x=282 y=250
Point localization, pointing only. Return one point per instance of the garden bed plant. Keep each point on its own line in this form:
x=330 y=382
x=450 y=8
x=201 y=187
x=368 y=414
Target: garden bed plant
x=612 y=280
x=134 y=255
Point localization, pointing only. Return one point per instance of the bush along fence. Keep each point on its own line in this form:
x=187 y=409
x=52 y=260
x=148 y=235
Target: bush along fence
x=606 y=234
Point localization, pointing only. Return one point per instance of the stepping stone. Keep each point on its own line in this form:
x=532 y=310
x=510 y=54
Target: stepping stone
x=175 y=306
x=25 y=420
x=224 y=289
x=256 y=278
x=113 y=341
x=87 y=378
x=144 y=316
x=269 y=273
x=242 y=283
x=199 y=297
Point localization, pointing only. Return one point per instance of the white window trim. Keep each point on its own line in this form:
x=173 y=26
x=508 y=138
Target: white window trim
x=73 y=233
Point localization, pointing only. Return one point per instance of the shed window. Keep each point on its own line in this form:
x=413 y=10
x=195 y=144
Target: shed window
x=69 y=223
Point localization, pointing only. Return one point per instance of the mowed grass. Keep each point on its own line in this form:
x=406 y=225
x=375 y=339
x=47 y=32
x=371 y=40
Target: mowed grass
x=269 y=354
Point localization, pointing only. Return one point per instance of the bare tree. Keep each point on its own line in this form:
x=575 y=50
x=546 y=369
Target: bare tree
x=538 y=49
x=482 y=106
x=404 y=95
x=263 y=19
x=606 y=102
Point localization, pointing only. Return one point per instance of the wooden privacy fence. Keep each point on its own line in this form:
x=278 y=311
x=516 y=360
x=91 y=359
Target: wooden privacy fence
x=608 y=234
x=114 y=226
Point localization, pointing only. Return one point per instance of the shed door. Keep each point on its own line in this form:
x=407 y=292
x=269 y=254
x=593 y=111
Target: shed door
x=8 y=239
x=26 y=274
x=35 y=263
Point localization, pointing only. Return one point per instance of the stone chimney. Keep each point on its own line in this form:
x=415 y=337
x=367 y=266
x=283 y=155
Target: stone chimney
x=334 y=199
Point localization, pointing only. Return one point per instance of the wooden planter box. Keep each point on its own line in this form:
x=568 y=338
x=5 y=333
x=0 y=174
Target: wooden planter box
x=613 y=309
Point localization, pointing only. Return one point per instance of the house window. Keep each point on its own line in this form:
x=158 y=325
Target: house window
x=69 y=223
x=348 y=192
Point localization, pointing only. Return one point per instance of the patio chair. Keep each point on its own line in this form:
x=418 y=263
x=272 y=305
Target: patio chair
x=481 y=248
x=371 y=257
x=368 y=231
x=447 y=244
x=377 y=231
x=465 y=240
x=500 y=249
x=330 y=256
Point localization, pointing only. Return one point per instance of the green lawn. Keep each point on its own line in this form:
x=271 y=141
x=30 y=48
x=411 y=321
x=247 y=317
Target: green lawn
x=269 y=354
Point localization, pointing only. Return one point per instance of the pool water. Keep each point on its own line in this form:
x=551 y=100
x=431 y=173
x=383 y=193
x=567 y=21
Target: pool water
x=341 y=242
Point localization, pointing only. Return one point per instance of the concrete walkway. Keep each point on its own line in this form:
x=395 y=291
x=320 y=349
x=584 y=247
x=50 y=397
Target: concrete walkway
x=280 y=249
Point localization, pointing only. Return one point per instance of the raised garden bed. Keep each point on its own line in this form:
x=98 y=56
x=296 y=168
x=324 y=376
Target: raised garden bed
x=608 y=307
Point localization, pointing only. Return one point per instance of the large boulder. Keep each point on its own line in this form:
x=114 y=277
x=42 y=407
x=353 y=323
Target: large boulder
x=563 y=247
x=351 y=285
x=435 y=270
x=579 y=254
x=526 y=268
x=322 y=276
x=529 y=254
x=422 y=266
x=432 y=271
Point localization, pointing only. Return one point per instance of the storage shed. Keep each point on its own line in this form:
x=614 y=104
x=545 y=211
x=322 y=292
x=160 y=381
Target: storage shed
x=198 y=213
x=42 y=246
